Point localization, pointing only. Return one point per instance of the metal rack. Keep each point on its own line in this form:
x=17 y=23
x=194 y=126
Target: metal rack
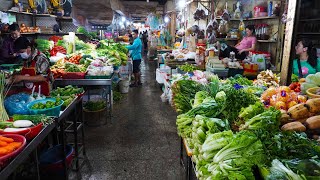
x=71 y=122
x=188 y=165
x=92 y=84
x=31 y=147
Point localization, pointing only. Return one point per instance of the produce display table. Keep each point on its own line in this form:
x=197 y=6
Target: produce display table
x=71 y=121
x=89 y=84
x=189 y=165
x=31 y=147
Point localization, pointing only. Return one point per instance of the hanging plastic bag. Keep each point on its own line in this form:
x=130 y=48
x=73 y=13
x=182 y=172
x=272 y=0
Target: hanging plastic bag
x=215 y=24
x=195 y=29
x=209 y=28
x=212 y=38
x=223 y=27
x=200 y=34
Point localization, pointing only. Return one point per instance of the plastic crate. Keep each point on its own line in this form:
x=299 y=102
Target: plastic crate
x=183 y=72
x=233 y=72
x=74 y=75
x=220 y=72
x=55 y=111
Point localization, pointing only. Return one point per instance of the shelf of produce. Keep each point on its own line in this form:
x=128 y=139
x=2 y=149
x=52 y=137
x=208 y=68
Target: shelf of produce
x=252 y=19
x=45 y=15
x=32 y=14
x=25 y=13
x=57 y=34
x=227 y=39
x=63 y=18
x=31 y=146
x=267 y=41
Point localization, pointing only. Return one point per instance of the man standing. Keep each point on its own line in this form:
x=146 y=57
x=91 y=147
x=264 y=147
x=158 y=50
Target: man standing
x=136 y=56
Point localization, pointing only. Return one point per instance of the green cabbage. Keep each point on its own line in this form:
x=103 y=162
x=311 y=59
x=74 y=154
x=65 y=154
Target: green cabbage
x=305 y=86
x=199 y=97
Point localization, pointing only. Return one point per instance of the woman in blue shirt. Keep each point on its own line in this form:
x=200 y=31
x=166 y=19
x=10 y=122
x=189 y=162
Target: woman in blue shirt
x=136 y=49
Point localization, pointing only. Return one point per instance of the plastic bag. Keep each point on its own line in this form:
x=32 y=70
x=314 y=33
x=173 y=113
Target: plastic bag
x=223 y=27
x=199 y=14
x=215 y=24
x=17 y=104
x=210 y=27
x=212 y=39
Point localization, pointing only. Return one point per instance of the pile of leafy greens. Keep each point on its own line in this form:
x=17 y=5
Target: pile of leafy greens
x=207 y=113
x=183 y=93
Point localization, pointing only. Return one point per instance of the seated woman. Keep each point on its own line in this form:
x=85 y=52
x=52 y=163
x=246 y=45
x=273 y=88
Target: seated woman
x=248 y=43
x=35 y=72
x=307 y=63
x=13 y=46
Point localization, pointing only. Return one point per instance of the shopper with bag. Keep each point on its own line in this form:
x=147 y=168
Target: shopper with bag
x=135 y=54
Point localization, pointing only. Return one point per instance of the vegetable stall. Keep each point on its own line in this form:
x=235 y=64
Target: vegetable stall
x=77 y=68
x=36 y=128
x=240 y=129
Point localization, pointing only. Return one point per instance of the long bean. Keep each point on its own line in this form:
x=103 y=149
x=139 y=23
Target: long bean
x=3 y=113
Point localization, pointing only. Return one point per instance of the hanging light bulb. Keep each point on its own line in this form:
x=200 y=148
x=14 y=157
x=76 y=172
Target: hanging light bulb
x=166 y=19
x=181 y=4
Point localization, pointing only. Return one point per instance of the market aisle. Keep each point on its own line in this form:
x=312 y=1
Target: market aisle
x=142 y=143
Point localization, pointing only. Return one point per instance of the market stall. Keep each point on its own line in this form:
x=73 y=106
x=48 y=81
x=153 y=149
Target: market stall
x=237 y=127
x=49 y=128
x=73 y=63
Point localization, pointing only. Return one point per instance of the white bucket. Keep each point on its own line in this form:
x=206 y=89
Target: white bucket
x=124 y=85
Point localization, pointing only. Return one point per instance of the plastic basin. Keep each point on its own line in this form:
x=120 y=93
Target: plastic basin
x=312 y=92
x=4 y=160
x=51 y=161
x=55 y=111
x=28 y=133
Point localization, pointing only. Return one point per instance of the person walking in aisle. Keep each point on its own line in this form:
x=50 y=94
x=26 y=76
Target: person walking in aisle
x=136 y=49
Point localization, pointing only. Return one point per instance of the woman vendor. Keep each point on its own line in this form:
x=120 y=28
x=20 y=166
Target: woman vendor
x=248 y=43
x=35 y=72
x=307 y=63
x=14 y=47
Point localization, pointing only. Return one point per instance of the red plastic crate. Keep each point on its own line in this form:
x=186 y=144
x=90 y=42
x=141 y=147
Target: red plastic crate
x=74 y=75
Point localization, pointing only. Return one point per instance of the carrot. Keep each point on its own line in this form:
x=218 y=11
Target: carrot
x=3 y=143
x=10 y=148
x=5 y=139
x=16 y=144
x=3 y=151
